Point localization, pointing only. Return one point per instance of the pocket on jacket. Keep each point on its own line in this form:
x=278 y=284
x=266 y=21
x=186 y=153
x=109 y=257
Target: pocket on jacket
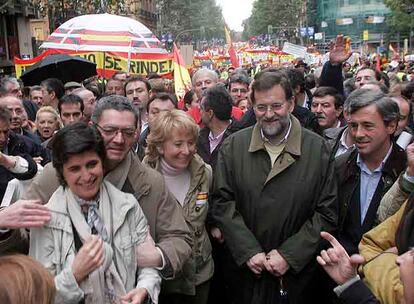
x=127 y=245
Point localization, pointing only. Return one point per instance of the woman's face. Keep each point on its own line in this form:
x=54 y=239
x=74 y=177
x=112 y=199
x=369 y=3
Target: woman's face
x=243 y=105
x=179 y=149
x=83 y=174
x=46 y=124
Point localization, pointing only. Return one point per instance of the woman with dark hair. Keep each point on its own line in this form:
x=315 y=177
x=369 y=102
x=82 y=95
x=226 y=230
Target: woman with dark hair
x=89 y=243
x=25 y=281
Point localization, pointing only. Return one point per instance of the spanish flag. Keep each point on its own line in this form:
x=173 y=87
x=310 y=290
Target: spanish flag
x=182 y=79
x=232 y=51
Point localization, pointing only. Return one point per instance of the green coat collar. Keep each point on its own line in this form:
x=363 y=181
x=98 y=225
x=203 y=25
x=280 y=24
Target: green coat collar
x=294 y=140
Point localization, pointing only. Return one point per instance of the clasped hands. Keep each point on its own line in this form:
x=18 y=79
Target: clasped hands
x=273 y=262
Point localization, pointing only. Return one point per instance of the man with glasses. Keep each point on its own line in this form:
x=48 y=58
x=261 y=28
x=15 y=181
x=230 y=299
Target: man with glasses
x=274 y=192
x=238 y=88
x=116 y=120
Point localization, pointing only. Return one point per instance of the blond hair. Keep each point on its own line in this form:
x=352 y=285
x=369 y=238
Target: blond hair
x=51 y=110
x=162 y=128
x=25 y=281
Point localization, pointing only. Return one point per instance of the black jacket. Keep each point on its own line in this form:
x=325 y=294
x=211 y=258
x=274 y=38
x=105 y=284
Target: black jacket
x=16 y=147
x=358 y=293
x=203 y=145
x=348 y=176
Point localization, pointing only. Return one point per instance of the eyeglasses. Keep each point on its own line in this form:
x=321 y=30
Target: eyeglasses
x=262 y=108
x=113 y=131
x=240 y=91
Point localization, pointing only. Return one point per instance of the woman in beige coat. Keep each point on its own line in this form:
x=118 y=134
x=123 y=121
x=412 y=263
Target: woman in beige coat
x=89 y=244
x=172 y=151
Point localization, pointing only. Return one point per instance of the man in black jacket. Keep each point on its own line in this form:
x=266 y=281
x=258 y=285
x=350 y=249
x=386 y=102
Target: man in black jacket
x=15 y=162
x=365 y=174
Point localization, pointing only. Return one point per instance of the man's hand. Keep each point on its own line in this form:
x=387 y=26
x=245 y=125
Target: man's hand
x=24 y=214
x=338 y=52
x=147 y=254
x=410 y=159
x=217 y=235
x=336 y=261
x=276 y=264
x=90 y=257
x=7 y=161
x=256 y=263
x=135 y=296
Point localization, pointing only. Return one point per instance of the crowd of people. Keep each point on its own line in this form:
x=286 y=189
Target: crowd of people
x=291 y=186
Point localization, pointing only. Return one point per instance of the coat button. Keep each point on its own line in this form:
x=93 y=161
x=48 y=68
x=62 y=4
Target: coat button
x=197 y=209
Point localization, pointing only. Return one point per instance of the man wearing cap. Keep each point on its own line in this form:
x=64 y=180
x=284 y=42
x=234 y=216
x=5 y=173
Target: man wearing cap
x=71 y=86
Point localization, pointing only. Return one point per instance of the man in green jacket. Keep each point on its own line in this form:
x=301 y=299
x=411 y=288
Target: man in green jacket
x=274 y=192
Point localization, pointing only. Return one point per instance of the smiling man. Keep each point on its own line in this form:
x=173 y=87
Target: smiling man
x=270 y=228
x=366 y=174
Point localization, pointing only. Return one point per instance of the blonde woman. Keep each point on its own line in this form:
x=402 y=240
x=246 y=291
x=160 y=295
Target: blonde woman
x=172 y=151
x=47 y=122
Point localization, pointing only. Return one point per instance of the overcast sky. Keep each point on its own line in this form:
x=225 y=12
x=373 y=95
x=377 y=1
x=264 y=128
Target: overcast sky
x=235 y=12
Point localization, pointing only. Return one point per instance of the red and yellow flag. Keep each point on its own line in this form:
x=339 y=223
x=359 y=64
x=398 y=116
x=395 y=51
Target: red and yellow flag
x=182 y=79
x=232 y=51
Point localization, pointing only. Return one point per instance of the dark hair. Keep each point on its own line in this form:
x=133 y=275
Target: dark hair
x=377 y=74
x=218 y=99
x=153 y=76
x=73 y=140
x=137 y=78
x=330 y=91
x=70 y=99
x=384 y=77
x=266 y=80
x=239 y=78
x=163 y=97
x=5 y=114
x=54 y=85
x=35 y=88
x=296 y=79
x=408 y=91
x=188 y=97
x=113 y=102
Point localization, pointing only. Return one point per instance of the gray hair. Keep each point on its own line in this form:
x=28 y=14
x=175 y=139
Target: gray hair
x=361 y=98
x=113 y=102
x=4 y=83
x=203 y=71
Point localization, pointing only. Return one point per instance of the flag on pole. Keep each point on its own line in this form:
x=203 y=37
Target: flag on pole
x=232 y=51
x=182 y=79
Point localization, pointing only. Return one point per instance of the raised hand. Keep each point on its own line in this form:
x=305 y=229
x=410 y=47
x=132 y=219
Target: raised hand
x=336 y=261
x=24 y=214
x=338 y=52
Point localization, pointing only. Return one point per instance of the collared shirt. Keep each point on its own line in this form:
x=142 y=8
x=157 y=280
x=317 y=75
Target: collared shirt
x=369 y=182
x=274 y=150
x=343 y=147
x=214 y=141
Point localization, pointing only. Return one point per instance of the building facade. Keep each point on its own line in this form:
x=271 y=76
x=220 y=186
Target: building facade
x=362 y=20
x=15 y=33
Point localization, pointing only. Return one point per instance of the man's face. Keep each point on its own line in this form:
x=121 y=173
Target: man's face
x=369 y=131
x=70 y=113
x=47 y=97
x=37 y=97
x=89 y=102
x=346 y=67
x=404 y=114
x=238 y=91
x=13 y=88
x=137 y=93
x=203 y=82
x=364 y=76
x=118 y=130
x=115 y=87
x=274 y=121
x=324 y=109
x=156 y=107
x=4 y=133
x=15 y=106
